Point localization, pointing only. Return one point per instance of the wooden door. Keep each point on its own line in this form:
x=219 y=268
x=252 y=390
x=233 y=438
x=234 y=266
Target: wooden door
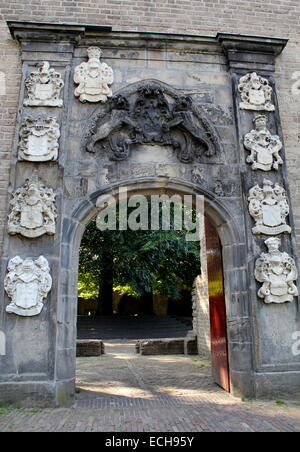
x=218 y=324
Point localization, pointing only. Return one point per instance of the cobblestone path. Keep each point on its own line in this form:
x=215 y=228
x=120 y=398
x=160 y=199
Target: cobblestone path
x=123 y=392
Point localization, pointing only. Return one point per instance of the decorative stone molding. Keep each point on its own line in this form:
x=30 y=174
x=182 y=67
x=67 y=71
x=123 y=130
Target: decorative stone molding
x=39 y=139
x=218 y=189
x=44 y=87
x=33 y=211
x=93 y=78
x=197 y=174
x=27 y=283
x=269 y=208
x=277 y=271
x=151 y=118
x=264 y=146
x=256 y=93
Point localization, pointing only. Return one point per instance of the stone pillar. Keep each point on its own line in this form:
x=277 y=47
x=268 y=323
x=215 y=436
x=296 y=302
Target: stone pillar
x=201 y=320
x=29 y=373
x=276 y=369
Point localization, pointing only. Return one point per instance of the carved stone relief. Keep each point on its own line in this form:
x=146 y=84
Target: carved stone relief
x=44 y=87
x=264 y=146
x=277 y=271
x=269 y=208
x=150 y=118
x=39 y=139
x=256 y=93
x=93 y=78
x=27 y=283
x=33 y=211
x=218 y=189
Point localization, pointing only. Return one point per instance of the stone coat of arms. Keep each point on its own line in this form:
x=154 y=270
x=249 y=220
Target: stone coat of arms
x=44 y=87
x=39 y=139
x=256 y=93
x=27 y=283
x=94 y=78
x=277 y=272
x=269 y=208
x=264 y=146
x=33 y=211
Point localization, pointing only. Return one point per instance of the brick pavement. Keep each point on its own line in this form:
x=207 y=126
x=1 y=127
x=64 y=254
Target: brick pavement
x=124 y=392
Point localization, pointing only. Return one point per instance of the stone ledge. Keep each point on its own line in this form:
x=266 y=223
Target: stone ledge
x=178 y=346
x=89 y=347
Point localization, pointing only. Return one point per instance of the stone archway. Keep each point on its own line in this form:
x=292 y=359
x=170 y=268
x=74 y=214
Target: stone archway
x=230 y=235
x=107 y=147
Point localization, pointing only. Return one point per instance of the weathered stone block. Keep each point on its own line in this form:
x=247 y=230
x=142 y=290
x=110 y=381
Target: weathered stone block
x=162 y=347
x=89 y=347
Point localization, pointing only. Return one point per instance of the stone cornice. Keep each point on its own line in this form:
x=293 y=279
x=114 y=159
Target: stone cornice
x=241 y=50
x=246 y=52
x=43 y=31
x=249 y=43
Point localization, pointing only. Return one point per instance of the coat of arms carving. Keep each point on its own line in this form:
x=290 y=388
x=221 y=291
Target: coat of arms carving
x=94 y=78
x=43 y=87
x=277 y=272
x=269 y=208
x=27 y=283
x=33 y=211
x=256 y=93
x=153 y=120
x=264 y=146
x=39 y=139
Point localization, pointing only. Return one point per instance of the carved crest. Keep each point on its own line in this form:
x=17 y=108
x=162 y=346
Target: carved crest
x=93 y=78
x=277 y=271
x=269 y=208
x=256 y=93
x=32 y=210
x=27 y=283
x=44 y=87
x=39 y=139
x=264 y=146
x=152 y=119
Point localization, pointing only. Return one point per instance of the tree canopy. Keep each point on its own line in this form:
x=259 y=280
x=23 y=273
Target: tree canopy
x=137 y=262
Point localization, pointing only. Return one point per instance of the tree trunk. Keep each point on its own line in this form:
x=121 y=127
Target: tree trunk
x=105 y=297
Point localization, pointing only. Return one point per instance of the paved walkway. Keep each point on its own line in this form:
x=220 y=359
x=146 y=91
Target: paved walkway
x=124 y=392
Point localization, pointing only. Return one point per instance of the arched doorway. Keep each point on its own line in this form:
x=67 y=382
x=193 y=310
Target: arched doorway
x=228 y=233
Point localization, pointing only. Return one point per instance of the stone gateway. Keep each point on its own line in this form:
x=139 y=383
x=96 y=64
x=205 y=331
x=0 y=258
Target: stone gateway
x=164 y=114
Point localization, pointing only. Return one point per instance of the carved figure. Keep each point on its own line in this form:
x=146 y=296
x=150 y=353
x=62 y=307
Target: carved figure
x=264 y=146
x=93 y=78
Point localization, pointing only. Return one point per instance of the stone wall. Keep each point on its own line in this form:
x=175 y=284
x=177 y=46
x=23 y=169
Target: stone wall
x=260 y=342
x=272 y=18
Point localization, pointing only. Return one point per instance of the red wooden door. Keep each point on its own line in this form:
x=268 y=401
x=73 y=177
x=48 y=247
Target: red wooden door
x=218 y=324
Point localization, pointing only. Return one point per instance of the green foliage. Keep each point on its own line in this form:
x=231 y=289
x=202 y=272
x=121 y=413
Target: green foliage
x=125 y=290
x=141 y=262
x=87 y=286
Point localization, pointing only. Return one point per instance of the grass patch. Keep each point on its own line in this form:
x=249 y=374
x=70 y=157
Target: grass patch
x=5 y=409
x=8 y=409
x=280 y=403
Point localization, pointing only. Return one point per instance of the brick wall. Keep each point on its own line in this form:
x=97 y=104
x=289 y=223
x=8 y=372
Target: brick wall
x=272 y=17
